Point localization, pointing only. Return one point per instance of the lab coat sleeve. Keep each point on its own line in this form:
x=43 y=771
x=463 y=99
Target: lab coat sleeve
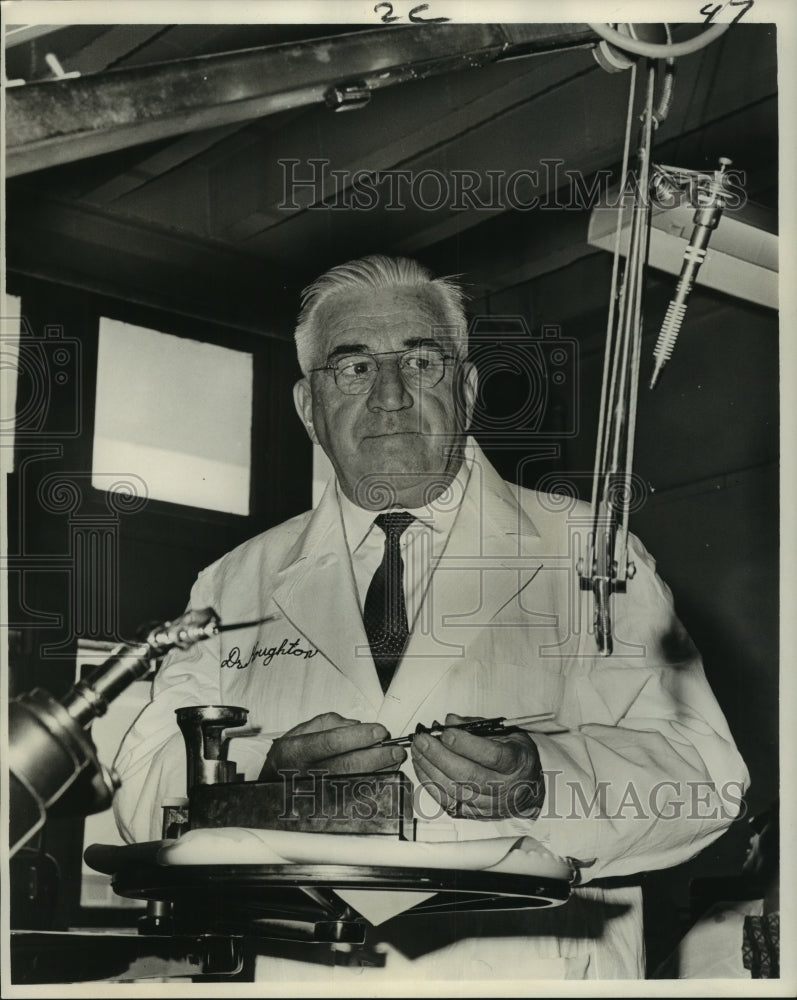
x=650 y=774
x=151 y=760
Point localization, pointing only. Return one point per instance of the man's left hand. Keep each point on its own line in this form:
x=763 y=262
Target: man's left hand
x=480 y=777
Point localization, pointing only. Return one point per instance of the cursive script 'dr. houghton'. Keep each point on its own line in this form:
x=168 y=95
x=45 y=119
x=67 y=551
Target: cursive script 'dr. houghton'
x=266 y=654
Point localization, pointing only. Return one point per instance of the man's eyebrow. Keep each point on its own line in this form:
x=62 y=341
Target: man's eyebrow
x=343 y=349
x=422 y=342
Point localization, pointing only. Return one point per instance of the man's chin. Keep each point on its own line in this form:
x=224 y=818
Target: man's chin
x=396 y=487
x=406 y=469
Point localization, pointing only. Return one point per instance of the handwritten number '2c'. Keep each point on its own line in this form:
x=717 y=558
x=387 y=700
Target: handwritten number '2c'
x=389 y=17
x=386 y=18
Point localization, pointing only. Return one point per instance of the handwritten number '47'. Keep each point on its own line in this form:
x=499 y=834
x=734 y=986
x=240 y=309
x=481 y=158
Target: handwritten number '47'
x=710 y=11
x=414 y=15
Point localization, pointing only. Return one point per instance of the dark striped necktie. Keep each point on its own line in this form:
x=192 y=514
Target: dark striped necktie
x=385 y=611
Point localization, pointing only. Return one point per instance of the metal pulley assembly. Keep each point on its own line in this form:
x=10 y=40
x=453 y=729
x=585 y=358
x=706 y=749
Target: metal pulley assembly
x=605 y=569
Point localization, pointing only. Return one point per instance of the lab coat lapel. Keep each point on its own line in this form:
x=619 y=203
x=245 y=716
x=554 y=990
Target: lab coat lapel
x=491 y=533
x=316 y=593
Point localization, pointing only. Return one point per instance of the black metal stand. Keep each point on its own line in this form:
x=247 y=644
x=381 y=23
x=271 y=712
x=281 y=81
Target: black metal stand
x=214 y=910
x=298 y=902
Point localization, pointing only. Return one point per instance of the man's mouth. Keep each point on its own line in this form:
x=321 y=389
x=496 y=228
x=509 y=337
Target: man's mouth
x=384 y=434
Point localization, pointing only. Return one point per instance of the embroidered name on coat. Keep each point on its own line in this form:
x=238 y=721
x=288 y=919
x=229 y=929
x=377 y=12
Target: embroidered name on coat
x=266 y=654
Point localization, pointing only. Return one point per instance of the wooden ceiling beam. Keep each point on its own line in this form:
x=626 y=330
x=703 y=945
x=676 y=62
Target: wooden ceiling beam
x=65 y=120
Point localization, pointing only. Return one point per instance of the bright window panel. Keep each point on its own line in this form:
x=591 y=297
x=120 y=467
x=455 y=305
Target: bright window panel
x=175 y=412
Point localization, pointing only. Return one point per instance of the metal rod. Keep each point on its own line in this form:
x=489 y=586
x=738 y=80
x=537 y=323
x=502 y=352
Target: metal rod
x=481 y=727
x=497 y=726
x=251 y=624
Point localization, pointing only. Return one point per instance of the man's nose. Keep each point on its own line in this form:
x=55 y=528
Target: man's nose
x=389 y=391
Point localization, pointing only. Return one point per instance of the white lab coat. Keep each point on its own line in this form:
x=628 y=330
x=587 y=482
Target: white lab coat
x=647 y=775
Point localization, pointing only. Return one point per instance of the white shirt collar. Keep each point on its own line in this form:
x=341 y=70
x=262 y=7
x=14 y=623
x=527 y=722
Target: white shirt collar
x=438 y=515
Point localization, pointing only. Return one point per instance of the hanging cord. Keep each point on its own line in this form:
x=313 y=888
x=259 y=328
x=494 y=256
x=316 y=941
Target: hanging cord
x=658 y=116
x=667 y=88
x=654 y=51
x=636 y=332
x=600 y=445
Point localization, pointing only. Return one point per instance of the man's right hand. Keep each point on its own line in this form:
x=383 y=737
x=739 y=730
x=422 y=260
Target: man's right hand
x=333 y=744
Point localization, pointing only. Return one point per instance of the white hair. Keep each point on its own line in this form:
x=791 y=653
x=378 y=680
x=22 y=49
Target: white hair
x=378 y=272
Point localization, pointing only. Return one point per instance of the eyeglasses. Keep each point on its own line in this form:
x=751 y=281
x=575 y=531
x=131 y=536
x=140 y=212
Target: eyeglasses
x=420 y=368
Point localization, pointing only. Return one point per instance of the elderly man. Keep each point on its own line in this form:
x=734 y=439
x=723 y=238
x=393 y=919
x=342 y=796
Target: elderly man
x=423 y=585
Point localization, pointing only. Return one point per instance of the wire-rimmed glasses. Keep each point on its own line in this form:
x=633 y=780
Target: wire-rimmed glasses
x=420 y=368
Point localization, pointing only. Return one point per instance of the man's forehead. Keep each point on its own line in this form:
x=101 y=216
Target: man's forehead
x=359 y=316
x=360 y=329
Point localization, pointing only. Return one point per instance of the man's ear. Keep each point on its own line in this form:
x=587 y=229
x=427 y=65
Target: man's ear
x=470 y=389
x=303 y=401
